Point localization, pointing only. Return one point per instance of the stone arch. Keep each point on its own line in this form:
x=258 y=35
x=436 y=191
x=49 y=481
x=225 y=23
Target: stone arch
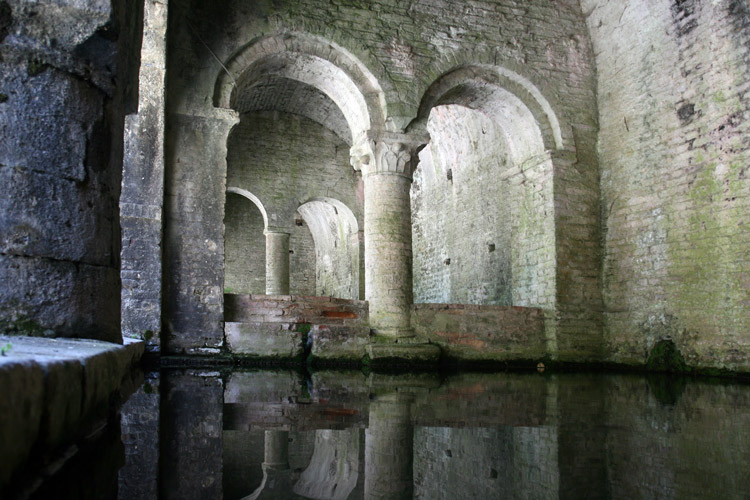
x=250 y=196
x=244 y=251
x=313 y=61
x=501 y=181
x=511 y=99
x=335 y=231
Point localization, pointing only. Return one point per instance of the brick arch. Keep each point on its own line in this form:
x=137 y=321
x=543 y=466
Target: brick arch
x=511 y=99
x=311 y=60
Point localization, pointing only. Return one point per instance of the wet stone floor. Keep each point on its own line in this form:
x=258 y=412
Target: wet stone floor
x=345 y=435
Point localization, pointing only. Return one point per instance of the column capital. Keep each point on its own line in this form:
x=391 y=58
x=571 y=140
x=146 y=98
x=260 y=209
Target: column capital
x=392 y=153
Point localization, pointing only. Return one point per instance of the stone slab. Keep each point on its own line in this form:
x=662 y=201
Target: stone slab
x=339 y=342
x=53 y=390
x=264 y=339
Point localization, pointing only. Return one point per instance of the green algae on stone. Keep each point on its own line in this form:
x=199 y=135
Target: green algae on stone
x=666 y=357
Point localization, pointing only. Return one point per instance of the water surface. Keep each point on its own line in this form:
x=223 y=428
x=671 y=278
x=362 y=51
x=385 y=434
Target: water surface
x=346 y=435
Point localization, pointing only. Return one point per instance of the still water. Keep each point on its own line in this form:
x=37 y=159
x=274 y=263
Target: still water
x=346 y=435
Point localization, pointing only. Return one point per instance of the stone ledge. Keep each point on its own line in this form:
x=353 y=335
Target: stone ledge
x=54 y=390
x=382 y=354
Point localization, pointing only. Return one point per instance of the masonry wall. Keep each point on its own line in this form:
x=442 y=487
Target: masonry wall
x=472 y=332
x=461 y=214
x=405 y=48
x=244 y=247
x=286 y=160
x=270 y=326
x=66 y=80
x=674 y=150
x=303 y=269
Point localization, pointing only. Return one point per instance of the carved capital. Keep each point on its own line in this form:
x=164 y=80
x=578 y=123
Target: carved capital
x=388 y=153
x=361 y=155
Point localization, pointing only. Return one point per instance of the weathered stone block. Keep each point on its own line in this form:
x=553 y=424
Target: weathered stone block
x=264 y=339
x=63 y=401
x=45 y=291
x=55 y=389
x=339 y=342
x=21 y=408
x=47 y=120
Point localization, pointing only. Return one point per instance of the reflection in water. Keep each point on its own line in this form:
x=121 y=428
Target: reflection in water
x=334 y=467
x=276 y=435
x=351 y=436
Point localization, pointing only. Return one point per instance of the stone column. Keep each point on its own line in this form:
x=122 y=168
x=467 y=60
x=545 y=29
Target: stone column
x=387 y=162
x=277 y=262
x=389 y=449
x=276 y=450
x=142 y=195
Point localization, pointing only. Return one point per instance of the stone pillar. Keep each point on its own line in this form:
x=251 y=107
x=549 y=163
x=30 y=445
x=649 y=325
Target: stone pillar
x=193 y=262
x=142 y=195
x=389 y=449
x=387 y=162
x=276 y=450
x=277 y=262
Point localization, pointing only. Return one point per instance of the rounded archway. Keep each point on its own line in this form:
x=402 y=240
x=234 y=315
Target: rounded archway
x=263 y=68
x=482 y=199
x=302 y=102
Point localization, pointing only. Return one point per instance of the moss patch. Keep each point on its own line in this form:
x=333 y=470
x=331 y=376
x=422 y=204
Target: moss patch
x=23 y=325
x=666 y=357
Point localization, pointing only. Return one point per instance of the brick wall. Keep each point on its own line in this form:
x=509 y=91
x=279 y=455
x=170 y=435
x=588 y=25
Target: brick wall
x=461 y=226
x=482 y=332
x=245 y=251
x=673 y=148
x=244 y=247
x=287 y=160
x=279 y=325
